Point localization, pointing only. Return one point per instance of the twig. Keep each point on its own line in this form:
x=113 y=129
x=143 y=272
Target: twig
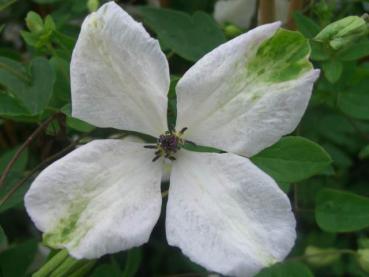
x=23 y=147
x=38 y=168
x=266 y=11
x=294 y=5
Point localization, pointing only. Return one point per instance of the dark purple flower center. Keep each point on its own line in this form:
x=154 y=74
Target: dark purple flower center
x=168 y=144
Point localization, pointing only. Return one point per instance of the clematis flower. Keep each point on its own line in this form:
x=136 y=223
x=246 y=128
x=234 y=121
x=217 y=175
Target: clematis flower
x=223 y=212
x=241 y=12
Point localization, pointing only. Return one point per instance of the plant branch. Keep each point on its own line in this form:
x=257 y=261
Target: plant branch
x=294 y=5
x=266 y=11
x=23 y=147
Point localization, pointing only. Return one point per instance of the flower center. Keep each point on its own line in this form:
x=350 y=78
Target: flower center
x=168 y=144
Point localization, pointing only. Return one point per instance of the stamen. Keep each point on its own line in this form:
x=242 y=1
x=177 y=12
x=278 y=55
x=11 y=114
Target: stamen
x=168 y=144
x=151 y=146
x=183 y=130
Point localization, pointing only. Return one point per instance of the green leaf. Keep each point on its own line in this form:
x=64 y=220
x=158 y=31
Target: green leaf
x=3 y=239
x=9 y=106
x=61 y=95
x=79 y=125
x=33 y=89
x=6 y=3
x=357 y=51
x=292 y=159
x=16 y=260
x=134 y=257
x=319 y=52
x=286 y=269
x=14 y=175
x=19 y=165
x=340 y=211
x=355 y=101
x=306 y=25
x=188 y=36
x=38 y=94
x=364 y=153
x=106 y=270
x=332 y=70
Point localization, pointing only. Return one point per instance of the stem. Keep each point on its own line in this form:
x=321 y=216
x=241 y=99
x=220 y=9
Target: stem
x=165 y=193
x=55 y=261
x=23 y=147
x=294 y=5
x=325 y=253
x=36 y=169
x=67 y=266
x=83 y=269
x=266 y=11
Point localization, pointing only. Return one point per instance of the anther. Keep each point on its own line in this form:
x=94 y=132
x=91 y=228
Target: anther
x=150 y=146
x=183 y=130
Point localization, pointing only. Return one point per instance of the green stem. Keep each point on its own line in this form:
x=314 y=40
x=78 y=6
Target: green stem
x=68 y=266
x=80 y=272
x=50 y=266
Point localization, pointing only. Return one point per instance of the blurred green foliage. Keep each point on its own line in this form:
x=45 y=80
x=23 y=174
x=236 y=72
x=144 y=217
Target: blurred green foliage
x=323 y=165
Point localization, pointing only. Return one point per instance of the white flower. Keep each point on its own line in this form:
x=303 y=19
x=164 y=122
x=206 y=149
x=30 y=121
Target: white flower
x=223 y=212
x=241 y=12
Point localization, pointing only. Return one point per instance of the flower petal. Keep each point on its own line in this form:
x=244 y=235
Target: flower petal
x=238 y=12
x=226 y=214
x=247 y=93
x=119 y=76
x=102 y=198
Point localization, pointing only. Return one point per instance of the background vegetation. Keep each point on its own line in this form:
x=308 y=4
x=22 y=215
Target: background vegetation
x=324 y=166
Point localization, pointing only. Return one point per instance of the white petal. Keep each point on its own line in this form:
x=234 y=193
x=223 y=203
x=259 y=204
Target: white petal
x=102 y=198
x=119 y=76
x=247 y=93
x=238 y=12
x=227 y=215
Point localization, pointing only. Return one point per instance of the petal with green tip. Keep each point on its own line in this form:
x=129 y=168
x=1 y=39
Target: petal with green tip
x=247 y=93
x=102 y=198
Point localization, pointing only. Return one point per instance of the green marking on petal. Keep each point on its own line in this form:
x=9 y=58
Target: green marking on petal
x=282 y=57
x=68 y=230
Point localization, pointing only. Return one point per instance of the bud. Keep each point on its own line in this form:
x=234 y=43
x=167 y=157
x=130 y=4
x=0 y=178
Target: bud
x=363 y=259
x=321 y=256
x=34 y=22
x=93 y=5
x=232 y=31
x=344 y=32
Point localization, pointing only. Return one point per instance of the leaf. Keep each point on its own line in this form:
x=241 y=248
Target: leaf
x=16 y=260
x=61 y=95
x=357 y=51
x=6 y=3
x=3 y=239
x=33 y=89
x=106 y=270
x=306 y=25
x=79 y=125
x=286 y=269
x=355 y=101
x=190 y=37
x=14 y=175
x=364 y=153
x=134 y=257
x=332 y=70
x=292 y=159
x=340 y=211
x=36 y=96
x=9 y=106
